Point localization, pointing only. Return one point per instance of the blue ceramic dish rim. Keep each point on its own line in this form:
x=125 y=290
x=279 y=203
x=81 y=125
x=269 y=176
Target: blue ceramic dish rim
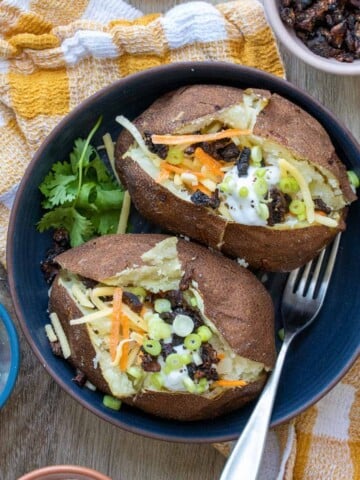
x=288 y=89
x=15 y=355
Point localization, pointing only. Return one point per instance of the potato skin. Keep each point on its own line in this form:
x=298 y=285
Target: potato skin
x=280 y=121
x=235 y=301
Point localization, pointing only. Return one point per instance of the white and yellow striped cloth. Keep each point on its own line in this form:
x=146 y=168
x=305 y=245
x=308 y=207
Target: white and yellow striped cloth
x=54 y=54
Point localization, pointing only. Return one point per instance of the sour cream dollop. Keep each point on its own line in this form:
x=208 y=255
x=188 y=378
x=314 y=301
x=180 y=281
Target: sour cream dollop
x=245 y=210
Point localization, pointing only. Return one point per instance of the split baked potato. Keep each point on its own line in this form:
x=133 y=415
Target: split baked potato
x=244 y=171
x=164 y=324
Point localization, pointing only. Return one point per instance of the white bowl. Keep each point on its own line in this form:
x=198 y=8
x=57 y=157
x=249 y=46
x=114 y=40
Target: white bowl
x=288 y=38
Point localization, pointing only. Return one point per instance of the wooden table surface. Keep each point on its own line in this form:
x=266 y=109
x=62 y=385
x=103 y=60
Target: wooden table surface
x=42 y=425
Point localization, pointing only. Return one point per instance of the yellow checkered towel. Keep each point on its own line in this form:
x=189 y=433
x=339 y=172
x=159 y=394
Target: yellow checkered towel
x=55 y=54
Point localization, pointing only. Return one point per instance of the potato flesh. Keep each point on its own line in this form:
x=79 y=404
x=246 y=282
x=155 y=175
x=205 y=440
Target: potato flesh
x=322 y=184
x=232 y=367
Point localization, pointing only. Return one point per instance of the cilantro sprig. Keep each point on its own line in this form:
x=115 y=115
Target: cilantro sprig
x=80 y=195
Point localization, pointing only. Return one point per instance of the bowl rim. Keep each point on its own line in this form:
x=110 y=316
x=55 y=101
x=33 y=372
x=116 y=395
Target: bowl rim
x=287 y=37
x=287 y=88
x=15 y=355
x=40 y=473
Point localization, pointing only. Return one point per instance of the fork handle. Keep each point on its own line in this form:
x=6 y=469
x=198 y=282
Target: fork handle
x=245 y=459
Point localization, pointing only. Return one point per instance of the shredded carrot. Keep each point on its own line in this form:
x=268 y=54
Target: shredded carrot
x=164 y=175
x=115 y=322
x=320 y=212
x=221 y=356
x=125 y=350
x=209 y=162
x=189 y=139
x=202 y=189
x=173 y=168
x=143 y=311
x=186 y=162
x=229 y=383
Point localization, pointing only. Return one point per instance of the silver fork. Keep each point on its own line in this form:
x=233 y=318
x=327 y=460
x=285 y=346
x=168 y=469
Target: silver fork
x=302 y=299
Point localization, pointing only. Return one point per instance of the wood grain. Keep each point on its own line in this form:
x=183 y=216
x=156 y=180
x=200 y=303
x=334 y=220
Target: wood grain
x=41 y=425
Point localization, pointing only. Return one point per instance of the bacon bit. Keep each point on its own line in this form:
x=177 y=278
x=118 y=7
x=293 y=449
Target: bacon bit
x=115 y=322
x=209 y=162
x=229 y=383
x=196 y=138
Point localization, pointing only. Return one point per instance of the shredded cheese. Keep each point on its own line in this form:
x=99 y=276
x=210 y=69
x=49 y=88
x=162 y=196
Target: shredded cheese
x=137 y=337
x=90 y=317
x=309 y=204
x=64 y=344
x=323 y=220
x=133 y=355
x=81 y=297
x=90 y=386
x=50 y=333
x=98 y=292
x=110 y=151
x=119 y=350
x=130 y=127
x=103 y=291
x=133 y=317
x=125 y=212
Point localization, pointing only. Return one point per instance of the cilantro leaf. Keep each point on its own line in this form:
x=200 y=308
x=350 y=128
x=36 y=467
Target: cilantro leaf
x=81 y=148
x=106 y=222
x=79 y=227
x=99 y=168
x=60 y=189
x=81 y=195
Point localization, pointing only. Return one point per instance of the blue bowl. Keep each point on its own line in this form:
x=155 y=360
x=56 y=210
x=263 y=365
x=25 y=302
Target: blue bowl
x=9 y=355
x=316 y=361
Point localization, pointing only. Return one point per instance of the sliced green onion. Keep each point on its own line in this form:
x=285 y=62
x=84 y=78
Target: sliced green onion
x=260 y=187
x=111 y=402
x=243 y=192
x=204 y=333
x=183 y=325
x=260 y=172
x=192 y=341
x=152 y=347
x=135 y=372
x=159 y=330
x=175 y=156
x=156 y=380
x=353 y=178
x=174 y=362
x=297 y=207
x=202 y=386
x=289 y=185
x=193 y=302
x=281 y=334
x=263 y=211
x=186 y=358
x=189 y=385
x=138 y=291
x=162 y=305
x=301 y=217
x=196 y=358
x=256 y=154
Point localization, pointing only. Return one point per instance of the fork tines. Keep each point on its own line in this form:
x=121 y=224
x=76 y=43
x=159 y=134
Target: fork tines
x=311 y=280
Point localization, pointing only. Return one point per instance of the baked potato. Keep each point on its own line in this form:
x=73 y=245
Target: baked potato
x=164 y=324
x=246 y=172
